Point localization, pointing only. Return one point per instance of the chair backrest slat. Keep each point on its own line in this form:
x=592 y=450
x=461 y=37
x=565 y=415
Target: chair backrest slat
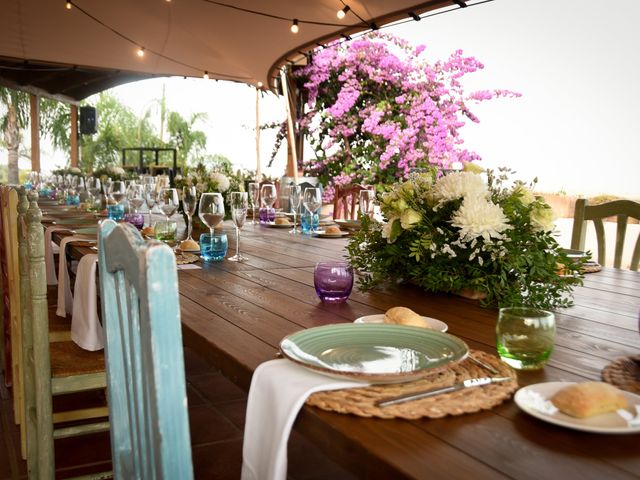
x=622 y=210
x=145 y=364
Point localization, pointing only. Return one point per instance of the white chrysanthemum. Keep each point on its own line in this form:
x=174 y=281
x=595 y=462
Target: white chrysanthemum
x=459 y=185
x=221 y=180
x=478 y=217
x=543 y=218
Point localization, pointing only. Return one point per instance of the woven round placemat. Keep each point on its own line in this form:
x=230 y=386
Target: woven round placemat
x=361 y=401
x=184 y=258
x=591 y=268
x=624 y=373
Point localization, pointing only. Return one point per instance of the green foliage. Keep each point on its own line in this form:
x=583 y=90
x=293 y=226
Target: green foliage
x=515 y=261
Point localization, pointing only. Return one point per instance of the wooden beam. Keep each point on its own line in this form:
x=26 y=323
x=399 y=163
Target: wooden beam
x=258 y=166
x=74 y=135
x=34 y=103
x=292 y=155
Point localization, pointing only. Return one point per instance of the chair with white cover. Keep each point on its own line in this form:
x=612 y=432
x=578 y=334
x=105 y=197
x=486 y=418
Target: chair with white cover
x=622 y=209
x=145 y=361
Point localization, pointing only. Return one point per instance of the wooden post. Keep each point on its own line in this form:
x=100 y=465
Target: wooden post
x=74 y=135
x=258 y=168
x=34 y=103
x=292 y=154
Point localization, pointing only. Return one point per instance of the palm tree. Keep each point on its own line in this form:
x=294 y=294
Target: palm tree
x=14 y=114
x=189 y=142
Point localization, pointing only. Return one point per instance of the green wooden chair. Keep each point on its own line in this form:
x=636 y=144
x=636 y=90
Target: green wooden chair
x=50 y=368
x=623 y=209
x=145 y=361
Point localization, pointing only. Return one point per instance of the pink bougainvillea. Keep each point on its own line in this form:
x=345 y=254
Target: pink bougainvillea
x=376 y=111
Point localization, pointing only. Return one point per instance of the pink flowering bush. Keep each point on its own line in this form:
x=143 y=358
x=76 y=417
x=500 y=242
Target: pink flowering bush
x=376 y=111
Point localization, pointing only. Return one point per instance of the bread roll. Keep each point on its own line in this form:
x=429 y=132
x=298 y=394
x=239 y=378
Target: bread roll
x=187 y=245
x=332 y=230
x=282 y=221
x=589 y=398
x=148 y=231
x=405 y=316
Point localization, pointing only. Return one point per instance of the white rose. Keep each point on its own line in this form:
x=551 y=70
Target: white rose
x=409 y=218
x=543 y=218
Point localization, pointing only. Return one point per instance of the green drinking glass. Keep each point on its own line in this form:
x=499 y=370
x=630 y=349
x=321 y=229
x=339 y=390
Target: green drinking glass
x=525 y=337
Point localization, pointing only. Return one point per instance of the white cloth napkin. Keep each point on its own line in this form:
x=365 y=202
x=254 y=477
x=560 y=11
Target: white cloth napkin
x=49 y=250
x=278 y=390
x=86 y=330
x=65 y=298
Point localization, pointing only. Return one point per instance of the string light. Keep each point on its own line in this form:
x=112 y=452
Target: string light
x=341 y=13
x=415 y=16
x=206 y=75
x=259 y=84
x=140 y=52
x=294 y=26
x=68 y=5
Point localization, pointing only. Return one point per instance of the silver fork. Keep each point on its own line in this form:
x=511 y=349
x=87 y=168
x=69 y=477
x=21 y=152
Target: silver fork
x=483 y=365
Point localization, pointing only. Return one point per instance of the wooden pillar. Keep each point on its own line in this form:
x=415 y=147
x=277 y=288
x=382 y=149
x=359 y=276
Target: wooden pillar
x=34 y=103
x=292 y=154
x=258 y=166
x=74 y=135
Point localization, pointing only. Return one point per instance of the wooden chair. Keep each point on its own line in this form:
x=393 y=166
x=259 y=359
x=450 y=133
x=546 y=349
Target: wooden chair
x=623 y=209
x=346 y=201
x=145 y=364
x=50 y=368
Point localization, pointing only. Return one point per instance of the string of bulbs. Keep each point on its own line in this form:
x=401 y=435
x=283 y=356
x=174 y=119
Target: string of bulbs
x=295 y=24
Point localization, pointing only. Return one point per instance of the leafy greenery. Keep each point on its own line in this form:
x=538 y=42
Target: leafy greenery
x=440 y=234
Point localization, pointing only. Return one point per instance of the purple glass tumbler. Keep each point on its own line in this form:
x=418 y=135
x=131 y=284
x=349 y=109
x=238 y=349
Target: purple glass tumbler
x=333 y=281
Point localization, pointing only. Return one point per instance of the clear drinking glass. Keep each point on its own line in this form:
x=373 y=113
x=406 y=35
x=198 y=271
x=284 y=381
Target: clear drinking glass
x=367 y=202
x=333 y=281
x=150 y=196
x=94 y=187
x=117 y=191
x=189 y=202
x=136 y=197
x=295 y=196
x=268 y=194
x=168 y=201
x=239 y=204
x=211 y=210
x=312 y=201
x=525 y=337
x=254 y=197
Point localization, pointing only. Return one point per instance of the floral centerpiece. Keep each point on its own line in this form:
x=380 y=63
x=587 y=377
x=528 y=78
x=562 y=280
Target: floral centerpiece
x=457 y=232
x=377 y=109
x=75 y=171
x=113 y=172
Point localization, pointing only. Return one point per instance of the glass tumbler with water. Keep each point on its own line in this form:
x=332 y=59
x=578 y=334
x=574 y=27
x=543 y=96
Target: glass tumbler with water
x=525 y=337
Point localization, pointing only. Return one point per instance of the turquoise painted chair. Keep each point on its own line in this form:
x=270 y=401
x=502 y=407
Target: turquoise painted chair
x=622 y=209
x=145 y=361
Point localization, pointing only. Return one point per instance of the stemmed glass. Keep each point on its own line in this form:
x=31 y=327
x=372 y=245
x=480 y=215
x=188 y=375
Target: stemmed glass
x=254 y=196
x=239 y=205
x=189 y=202
x=268 y=196
x=117 y=191
x=136 y=197
x=312 y=200
x=150 y=195
x=94 y=187
x=211 y=210
x=367 y=202
x=168 y=201
x=295 y=196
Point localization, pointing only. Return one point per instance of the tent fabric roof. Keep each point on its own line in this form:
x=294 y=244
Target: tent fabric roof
x=74 y=53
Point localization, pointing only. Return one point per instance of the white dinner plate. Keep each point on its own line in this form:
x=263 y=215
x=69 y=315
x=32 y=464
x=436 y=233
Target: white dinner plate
x=324 y=234
x=605 y=423
x=433 y=323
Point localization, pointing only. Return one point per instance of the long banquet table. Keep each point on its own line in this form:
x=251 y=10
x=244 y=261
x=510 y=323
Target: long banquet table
x=236 y=314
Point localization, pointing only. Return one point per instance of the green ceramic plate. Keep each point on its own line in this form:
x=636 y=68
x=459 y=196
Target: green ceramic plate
x=375 y=353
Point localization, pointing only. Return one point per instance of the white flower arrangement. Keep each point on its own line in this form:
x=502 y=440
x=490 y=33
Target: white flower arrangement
x=459 y=231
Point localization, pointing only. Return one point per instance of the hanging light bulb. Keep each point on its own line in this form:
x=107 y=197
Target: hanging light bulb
x=140 y=52
x=294 y=26
x=259 y=84
x=68 y=5
x=206 y=75
x=343 y=12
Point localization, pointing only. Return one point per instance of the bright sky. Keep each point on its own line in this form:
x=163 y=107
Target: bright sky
x=576 y=127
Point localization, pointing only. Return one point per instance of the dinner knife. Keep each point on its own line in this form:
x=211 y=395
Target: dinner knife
x=470 y=383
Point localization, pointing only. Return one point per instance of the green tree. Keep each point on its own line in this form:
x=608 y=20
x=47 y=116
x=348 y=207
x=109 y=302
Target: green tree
x=189 y=142
x=14 y=117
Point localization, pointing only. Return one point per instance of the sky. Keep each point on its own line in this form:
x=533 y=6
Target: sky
x=576 y=127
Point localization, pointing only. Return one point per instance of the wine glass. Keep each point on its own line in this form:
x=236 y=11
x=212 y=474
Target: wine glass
x=367 y=202
x=295 y=196
x=136 y=196
x=189 y=202
x=168 y=201
x=254 y=196
x=211 y=210
x=268 y=194
x=312 y=201
x=150 y=195
x=117 y=191
x=239 y=205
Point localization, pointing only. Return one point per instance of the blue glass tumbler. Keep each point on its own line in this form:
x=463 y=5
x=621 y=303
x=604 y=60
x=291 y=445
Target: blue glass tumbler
x=115 y=212
x=213 y=248
x=305 y=222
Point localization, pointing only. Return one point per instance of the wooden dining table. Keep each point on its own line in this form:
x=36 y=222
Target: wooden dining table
x=236 y=314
